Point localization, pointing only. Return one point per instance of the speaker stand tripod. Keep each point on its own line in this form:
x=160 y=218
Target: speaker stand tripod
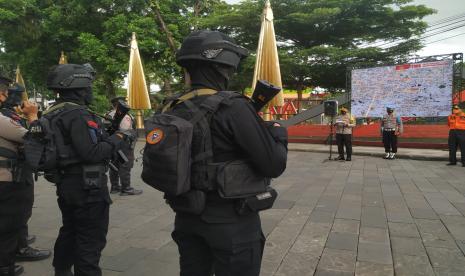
x=331 y=139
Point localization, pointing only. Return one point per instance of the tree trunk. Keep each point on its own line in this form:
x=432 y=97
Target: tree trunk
x=168 y=90
x=197 y=10
x=109 y=88
x=169 y=36
x=163 y=27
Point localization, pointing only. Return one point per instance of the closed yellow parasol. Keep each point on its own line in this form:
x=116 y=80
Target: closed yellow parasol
x=267 y=62
x=63 y=58
x=20 y=80
x=138 y=95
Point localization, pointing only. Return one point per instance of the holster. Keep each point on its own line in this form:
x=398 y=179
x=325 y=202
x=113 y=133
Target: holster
x=237 y=179
x=192 y=202
x=12 y=166
x=92 y=176
x=256 y=203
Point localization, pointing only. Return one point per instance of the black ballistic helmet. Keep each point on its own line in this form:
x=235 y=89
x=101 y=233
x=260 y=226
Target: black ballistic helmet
x=117 y=99
x=15 y=95
x=70 y=76
x=210 y=46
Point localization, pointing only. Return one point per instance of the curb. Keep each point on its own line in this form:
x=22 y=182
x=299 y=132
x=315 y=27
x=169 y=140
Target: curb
x=380 y=154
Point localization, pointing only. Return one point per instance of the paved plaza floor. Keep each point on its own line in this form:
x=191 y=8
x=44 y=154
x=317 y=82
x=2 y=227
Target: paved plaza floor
x=366 y=217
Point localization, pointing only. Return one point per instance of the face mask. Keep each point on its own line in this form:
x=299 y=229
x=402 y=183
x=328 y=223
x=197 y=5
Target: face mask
x=89 y=97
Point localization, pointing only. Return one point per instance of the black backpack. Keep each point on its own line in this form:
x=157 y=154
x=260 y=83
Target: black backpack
x=44 y=145
x=178 y=150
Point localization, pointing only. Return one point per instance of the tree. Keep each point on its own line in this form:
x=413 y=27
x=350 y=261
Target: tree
x=319 y=39
x=34 y=32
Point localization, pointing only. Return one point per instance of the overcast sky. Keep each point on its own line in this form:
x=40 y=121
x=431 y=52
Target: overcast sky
x=445 y=8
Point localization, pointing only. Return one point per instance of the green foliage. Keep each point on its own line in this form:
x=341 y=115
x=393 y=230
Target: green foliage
x=318 y=39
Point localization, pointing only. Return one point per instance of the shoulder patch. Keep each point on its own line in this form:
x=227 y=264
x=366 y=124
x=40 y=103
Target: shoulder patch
x=155 y=136
x=92 y=124
x=16 y=123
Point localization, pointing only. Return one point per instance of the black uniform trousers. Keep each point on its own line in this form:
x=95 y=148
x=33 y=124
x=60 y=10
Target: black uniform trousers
x=456 y=139
x=85 y=225
x=222 y=249
x=390 y=141
x=344 y=140
x=12 y=208
x=27 y=192
x=123 y=175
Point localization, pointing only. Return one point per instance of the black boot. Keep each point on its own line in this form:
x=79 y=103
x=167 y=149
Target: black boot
x=115 y=189
x=30 y=239
x=29 y=254
x=130 y=191
x=66 y=272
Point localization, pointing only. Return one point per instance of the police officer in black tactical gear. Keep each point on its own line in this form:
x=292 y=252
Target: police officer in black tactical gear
x=220 y=240
x=14 y=202
x=82 y=191
x=25 y=252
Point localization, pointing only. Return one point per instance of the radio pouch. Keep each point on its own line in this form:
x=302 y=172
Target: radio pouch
x=257 y=203
x=237 y=179
x=92 y=176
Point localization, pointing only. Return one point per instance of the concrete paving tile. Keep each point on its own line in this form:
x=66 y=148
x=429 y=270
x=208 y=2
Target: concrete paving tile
x=323 y=217
x=372 y=199
x=408 y=230
x=125 y=259
x=423 y=213
x=447 y=271
x=435 y=234
x=327 y=272
x=440 y=204
x=461 y=245
x=283 y=204
x=346 y=226
x=373 y=217
x=298 y=264
x=343 y=241
x=399 y=215
x=379 y=253
x=349 y=211
x=407 y=246
x=405 y=265
x=373 y=269
x=268 y=225
x=339 y=260
x=455 y=225
x=446 y=257
x=371 y=234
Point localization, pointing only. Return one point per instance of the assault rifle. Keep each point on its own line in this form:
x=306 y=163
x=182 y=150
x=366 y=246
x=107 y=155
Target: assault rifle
x=122 y=109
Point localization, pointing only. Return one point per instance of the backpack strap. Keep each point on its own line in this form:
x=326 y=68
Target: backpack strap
x=188 y=96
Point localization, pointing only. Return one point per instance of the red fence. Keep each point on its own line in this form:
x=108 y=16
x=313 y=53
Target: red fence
x=419 y=136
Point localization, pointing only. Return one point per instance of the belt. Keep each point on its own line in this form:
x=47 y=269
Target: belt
x=7 y=163
x=76 y=169
x=389 y=129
